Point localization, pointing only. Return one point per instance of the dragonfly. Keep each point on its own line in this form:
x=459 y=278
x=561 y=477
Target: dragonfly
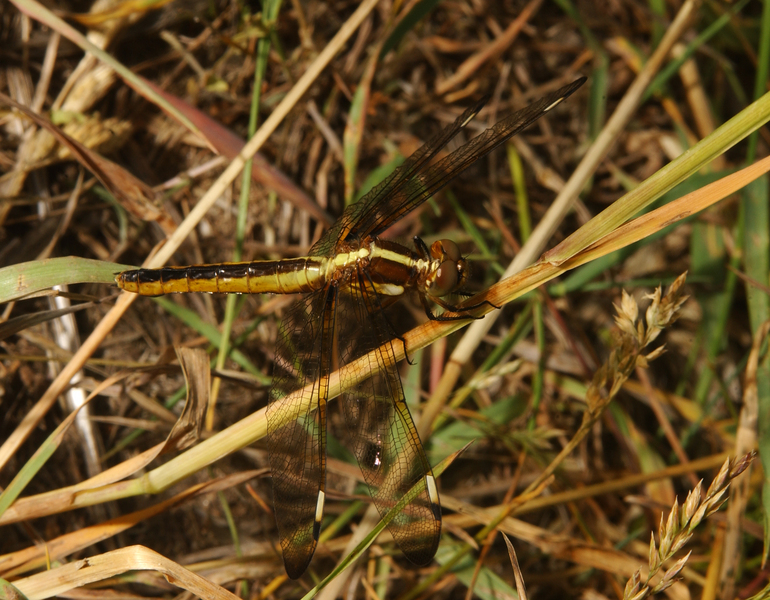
x=348 y=279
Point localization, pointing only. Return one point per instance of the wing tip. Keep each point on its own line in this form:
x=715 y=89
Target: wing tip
x=570 y=88
x=295 y=571
x=298 y=549
x=296 y=560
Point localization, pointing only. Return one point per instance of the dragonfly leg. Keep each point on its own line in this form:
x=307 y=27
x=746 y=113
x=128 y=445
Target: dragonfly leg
x=452 y=308
x=472 y=306
x=406 y=353
x=434 y=317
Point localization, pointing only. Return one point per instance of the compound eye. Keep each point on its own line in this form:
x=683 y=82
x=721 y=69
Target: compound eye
x=445 y=249
x=445 y=280
x=451 y=250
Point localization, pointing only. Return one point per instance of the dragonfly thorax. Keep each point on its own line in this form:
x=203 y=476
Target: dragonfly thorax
x=392 y=268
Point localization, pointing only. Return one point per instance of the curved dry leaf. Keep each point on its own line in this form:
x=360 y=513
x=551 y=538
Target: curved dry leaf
x=133 y=194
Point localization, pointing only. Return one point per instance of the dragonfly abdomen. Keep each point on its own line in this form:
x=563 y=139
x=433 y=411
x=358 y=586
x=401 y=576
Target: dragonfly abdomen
x=287 y=276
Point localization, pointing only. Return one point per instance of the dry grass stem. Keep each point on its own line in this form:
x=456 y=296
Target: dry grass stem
x=557 y=418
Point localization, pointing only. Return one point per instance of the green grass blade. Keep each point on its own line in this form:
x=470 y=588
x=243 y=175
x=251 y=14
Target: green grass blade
x=26 y=279
x=725 y=137
x=419 y=10
x=192 y=320
x=757 y=256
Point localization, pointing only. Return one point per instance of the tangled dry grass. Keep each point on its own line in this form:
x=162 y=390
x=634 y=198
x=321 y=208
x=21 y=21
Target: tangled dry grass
x=564 y=419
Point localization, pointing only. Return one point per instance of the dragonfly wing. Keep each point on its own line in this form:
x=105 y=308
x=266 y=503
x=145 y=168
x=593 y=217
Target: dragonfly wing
x=391 y=205
x=296 y=435
x=380 y=431
x=415 y=181
x=378 y=198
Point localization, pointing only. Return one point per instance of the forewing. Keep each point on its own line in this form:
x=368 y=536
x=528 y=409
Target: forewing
x=380 y=431
x=296 y=435
x=394 y=203
x=379 y=198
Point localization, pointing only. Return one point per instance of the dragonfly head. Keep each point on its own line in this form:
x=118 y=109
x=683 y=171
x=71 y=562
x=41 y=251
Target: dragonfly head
x=452 y=269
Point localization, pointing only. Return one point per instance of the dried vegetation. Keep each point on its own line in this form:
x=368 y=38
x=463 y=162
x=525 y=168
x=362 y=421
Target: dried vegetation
x=587 y=421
